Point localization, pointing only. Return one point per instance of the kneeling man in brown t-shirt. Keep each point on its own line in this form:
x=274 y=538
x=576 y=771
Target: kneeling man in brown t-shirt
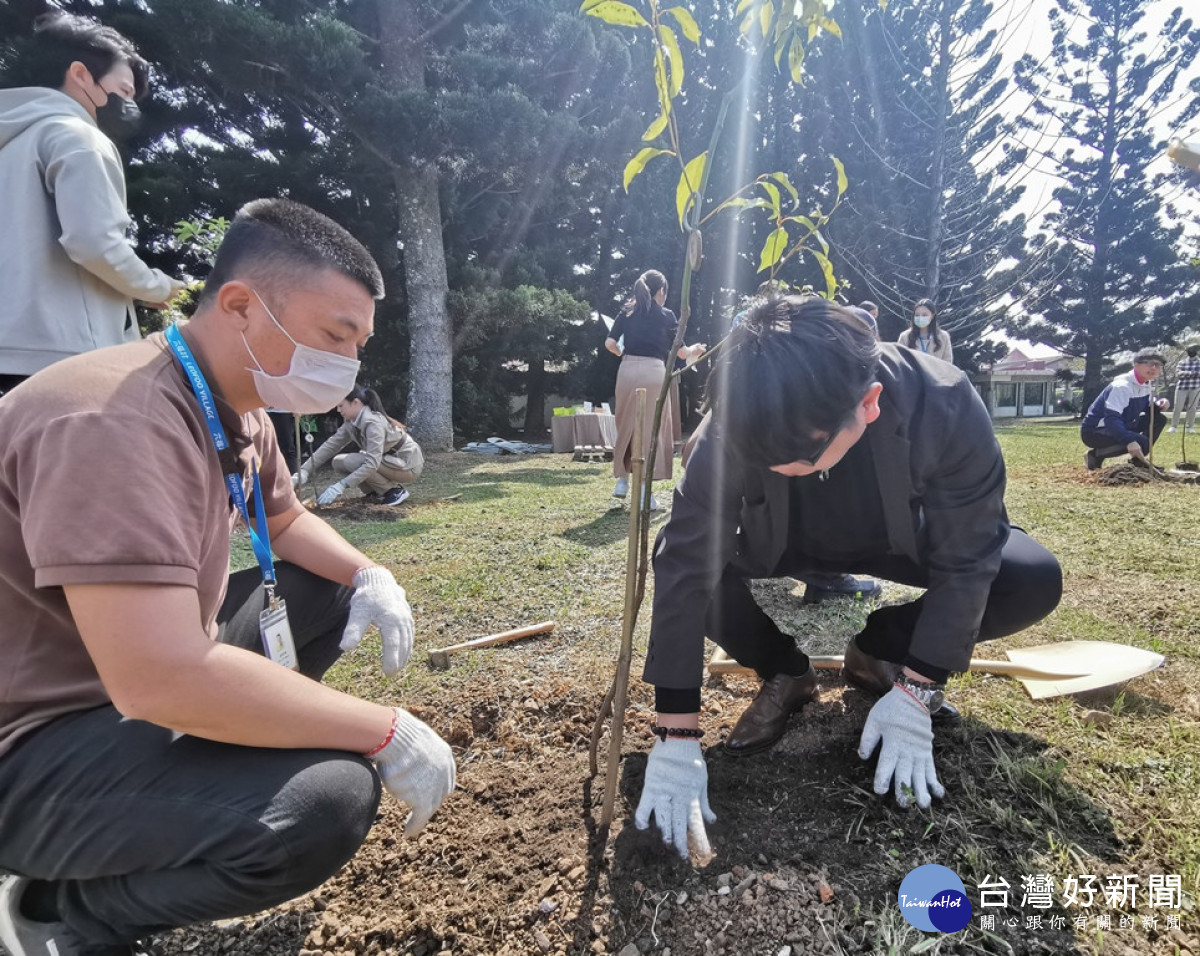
x=167 y=752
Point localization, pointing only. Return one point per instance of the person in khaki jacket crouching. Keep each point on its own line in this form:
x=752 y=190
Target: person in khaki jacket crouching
x=388 y=456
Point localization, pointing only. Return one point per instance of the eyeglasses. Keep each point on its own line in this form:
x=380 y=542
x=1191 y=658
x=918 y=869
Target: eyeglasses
x=810 y=459
x=813 y=457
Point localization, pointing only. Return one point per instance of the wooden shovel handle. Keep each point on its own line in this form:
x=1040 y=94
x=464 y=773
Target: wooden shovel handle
x=978 y=666
x=502 y=638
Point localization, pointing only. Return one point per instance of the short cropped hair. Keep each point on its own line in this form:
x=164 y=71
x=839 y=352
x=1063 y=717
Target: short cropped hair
x=60 y=39
x=278 y=243
x=796 y=366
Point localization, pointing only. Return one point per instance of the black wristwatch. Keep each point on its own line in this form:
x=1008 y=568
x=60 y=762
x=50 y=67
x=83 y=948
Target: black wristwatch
x=930 y=694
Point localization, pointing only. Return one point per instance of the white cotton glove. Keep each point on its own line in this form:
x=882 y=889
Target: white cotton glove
x=416 y=766
x=379 y=600
x=903 y=724
x=676 y=792
x=331 y=494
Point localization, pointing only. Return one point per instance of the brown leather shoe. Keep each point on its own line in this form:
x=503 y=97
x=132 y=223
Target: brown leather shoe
x=869 y=673
x=765 y=720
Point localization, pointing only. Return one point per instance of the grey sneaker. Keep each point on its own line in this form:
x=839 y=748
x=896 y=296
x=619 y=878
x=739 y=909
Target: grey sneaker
x=621 y=489
x=394 y=496
x=25 y=937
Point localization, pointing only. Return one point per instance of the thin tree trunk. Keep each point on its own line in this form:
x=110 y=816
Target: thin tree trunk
x=937 y=193
x=1097 y=280
x=1093 y=368
x=430 y=365
x=535 y=399
x=868 y=52
x=602 y=281
x=419 y=231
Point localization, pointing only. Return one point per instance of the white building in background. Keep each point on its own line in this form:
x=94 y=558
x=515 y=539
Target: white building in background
x=1022 y=386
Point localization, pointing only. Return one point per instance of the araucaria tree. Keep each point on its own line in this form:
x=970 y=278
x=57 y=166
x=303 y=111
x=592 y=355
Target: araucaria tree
x=913 y=99
x=1114 y=273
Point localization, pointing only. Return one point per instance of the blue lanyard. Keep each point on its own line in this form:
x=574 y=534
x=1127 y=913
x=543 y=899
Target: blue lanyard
x=260 y=540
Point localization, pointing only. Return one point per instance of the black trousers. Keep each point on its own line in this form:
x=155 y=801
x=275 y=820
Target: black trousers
x=137 y=829
x=1027 y=587
x=9 y=382
x=1106 y=446
x=285 y=435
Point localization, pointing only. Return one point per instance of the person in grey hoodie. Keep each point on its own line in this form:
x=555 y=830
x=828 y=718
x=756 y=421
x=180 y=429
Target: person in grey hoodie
x=69 y=273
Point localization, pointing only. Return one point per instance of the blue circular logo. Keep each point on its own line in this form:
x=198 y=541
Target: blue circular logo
x=933 y=899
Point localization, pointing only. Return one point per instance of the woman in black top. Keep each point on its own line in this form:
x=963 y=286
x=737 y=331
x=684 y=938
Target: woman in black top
x=648 y=331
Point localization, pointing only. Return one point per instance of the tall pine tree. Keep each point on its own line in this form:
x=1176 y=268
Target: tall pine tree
x=911 y=99
x=1114 y=274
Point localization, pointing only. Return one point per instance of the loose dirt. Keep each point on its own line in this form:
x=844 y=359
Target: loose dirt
x=806 y=860
x=1127 y=473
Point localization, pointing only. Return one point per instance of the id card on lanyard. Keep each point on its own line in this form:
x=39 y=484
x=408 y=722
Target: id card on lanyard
x=272 y=621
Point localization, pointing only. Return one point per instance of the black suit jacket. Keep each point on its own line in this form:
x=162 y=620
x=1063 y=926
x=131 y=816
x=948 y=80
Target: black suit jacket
x=941 y=480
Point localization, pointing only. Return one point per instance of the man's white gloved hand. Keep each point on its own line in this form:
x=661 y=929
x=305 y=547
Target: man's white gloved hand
x=906 y=757
x=379 y=600
x=676 y=792
x=331 y=494
x=416 y=766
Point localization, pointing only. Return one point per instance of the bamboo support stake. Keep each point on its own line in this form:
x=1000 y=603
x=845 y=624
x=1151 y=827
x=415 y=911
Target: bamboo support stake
x=637 y=560
x=621 y=680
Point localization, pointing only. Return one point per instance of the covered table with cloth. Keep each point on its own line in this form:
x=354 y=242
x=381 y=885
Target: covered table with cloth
x=587 y=428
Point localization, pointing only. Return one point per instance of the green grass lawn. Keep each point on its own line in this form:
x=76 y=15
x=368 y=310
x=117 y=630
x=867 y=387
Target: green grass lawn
x=1108 y=784
x=1131 y=562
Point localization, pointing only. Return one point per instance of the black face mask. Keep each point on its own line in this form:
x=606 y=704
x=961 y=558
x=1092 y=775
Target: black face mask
x=118 y=118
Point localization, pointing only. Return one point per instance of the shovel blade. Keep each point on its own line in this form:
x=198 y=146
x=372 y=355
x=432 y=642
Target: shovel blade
x=1108 y=664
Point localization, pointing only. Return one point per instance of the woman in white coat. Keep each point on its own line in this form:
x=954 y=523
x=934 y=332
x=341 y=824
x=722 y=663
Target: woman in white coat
x=924 y=335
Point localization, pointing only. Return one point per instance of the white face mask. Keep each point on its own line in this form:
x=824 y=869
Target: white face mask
x=314 y=382
x=922 y=321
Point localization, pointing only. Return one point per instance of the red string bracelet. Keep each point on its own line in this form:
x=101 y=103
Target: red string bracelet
x=386 y=740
